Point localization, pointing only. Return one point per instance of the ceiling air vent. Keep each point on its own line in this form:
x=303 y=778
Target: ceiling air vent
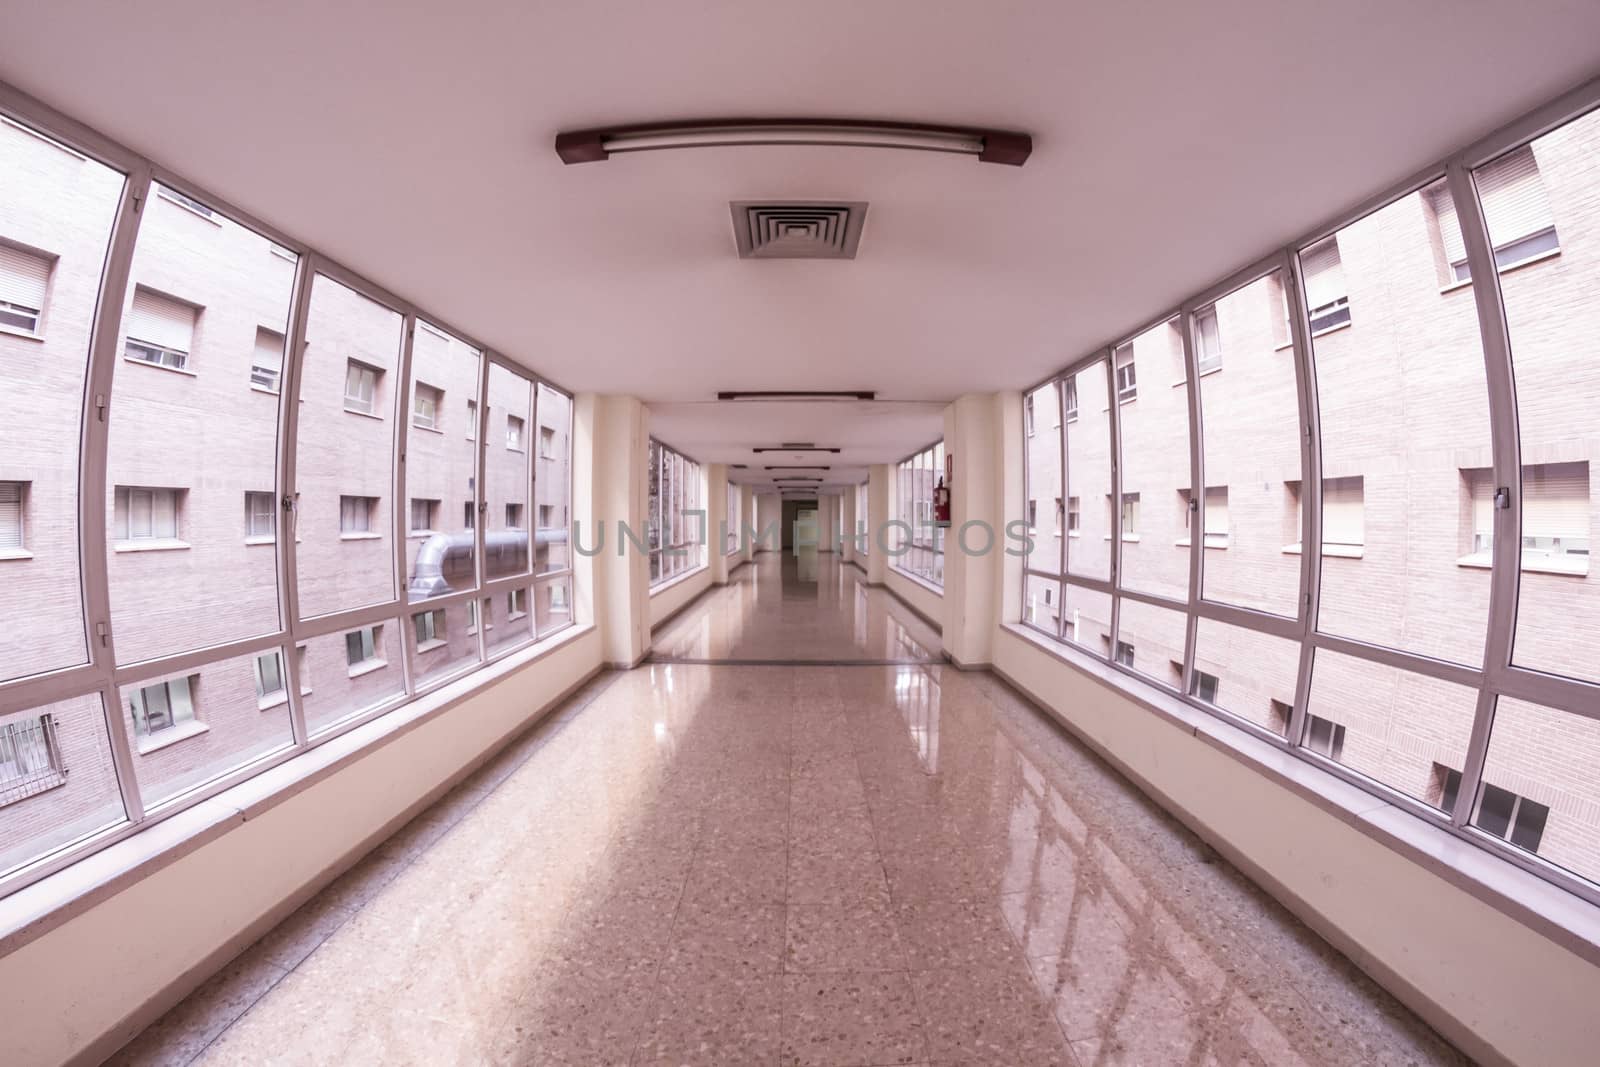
x=794 y=229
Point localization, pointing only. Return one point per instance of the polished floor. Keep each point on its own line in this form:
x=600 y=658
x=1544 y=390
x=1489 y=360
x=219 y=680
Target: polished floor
x=727 y=864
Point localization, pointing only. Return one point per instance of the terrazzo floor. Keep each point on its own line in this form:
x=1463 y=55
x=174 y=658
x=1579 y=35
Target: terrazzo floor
x=859 y=865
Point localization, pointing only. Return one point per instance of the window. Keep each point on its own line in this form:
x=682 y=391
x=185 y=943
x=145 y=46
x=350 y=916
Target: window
x=426 y=406
x=160 y=330
x=1555 y=517
x=1124 y=654
x=1325 y=737
x=1205 y=686
x=142 y=514
x=13 y=531
x=547 y=442
x=917 y=478
x=547 y=517
x=30 y=758
x=1127 y=383
x=473 y=613
x=260 y=516
x=1499 y=811
x=269 y=677
x=1071 y=388
x=1088 y=476
x=1074 y=516
x=424 y=515
x=266 y=364
x=469 y=515
x=430 y=629
x=1208 y=342
x=362 y=647
x=24 y=280
x=185 y=201
x=472 y=420
x=516 y=603
x=1130 y=515
x=162 y=706
x=1027 y=414
x=514 y=516
x=1516 y=209
x=1326 y=294
x=514 y=433
x=1343 y=514
x=1033 y=514
x=1061 y=515
x=675 y=535
x=1216 y=516
x=357 y=515
x=361 y=388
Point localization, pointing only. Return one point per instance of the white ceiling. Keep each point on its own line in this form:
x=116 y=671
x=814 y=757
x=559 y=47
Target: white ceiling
x=1173 y=142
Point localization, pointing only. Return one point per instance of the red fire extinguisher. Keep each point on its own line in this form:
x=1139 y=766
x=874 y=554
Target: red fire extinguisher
x=941 y=494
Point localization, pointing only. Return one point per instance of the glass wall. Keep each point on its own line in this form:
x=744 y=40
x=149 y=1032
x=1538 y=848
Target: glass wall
x=916 y=478
x=731 y=518
x=865 y=533
x=1423 y=620
x=202 y=578
x=678 y=532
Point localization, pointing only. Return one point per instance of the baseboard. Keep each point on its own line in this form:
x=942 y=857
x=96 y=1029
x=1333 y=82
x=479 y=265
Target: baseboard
x=918 y=612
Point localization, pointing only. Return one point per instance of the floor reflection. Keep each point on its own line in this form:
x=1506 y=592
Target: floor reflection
x=798 y=607
x=871 y=864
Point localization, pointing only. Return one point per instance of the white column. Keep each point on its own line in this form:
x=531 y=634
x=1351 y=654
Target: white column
x=716 y=516
x=973 y=574
x=610 y=488
x=747 y=513
x=879 y=503
x=847 y=525
x=769 y=513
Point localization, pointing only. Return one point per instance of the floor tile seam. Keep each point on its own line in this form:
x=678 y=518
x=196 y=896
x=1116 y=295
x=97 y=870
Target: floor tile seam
x=284 y=972
x=655 y=981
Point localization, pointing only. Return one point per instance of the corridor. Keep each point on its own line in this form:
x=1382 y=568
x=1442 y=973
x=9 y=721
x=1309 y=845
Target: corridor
x=884 y=861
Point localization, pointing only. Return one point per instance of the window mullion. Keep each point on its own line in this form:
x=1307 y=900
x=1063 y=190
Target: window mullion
x=93 y=462
x=1197 y=493
x=1310 y=489
x=287 y=516
x=400 y=512
x=1113 y=406
x=1062 y=564
x=1507 y=495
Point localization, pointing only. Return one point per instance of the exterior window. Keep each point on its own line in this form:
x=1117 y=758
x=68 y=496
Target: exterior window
x=363 y=647
x=1208 y=341
x=260 y=516
x=1130 y=515
x=266 y=364
x=30 y=757
x=361 y=388
x=162 y=706
x=1033 y=514
x=424 y=515
x=1061 y=515
x=269 y=677
x=1205 y=686
x=430 y=629
x=1027 y=414
x=514 y=515
x=141 y=514
x=1501 y=812
x=1072 y=399
x=357 y=514
x=472 y=420
x=426 y=406
x=1325 y=737
x=13 y=531
x=1124 y=653
x=547 y=442
x=1127 y=382
x=514 y=433
x=160 y=330
x=1073 y=516
x=1555 y=517
x=516 y=603
x=185 y=201
x=1326 y=294
x=1216 y=516
x=1516 y=208
x=1343 y=513
x=24 y=280
x=469 y=515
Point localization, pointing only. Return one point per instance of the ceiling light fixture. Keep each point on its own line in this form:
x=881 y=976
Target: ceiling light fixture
x=796 y=467
x=989 y=145
x=795 y=478
x=793 y=448
x=797 y=394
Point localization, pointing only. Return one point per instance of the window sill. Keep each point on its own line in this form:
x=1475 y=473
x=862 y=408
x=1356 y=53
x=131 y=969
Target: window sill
x=259 y=540
x=1184 y=542
x=1126 y=538
x=254 y=388
x=187 y=373
x=518 y=451
x=181 y=206
x=15 y=553
x=515 y=615
x=1336 y=551
x=172 y=735
x=927 y=583
x=429 y=646
x=367 y=667
x=1466 y=283
x=1333 y=329
x=33 y=785
x=1285 y=347
x=428 y=429
x=418 y=535
x=1204 y=373
x=1484 y=561
x=363 y=414
x=26 y=335
x=361 y=537
x=152 y=545
x=667 y=583
x=276 y=700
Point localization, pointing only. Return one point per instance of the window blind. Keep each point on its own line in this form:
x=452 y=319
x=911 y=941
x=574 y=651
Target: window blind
x=1555 y=500
x=1513 y=196
x=1216 y=510
x=1324 y=273
x=23 y=277
x=1342 y=518
x=269 y=348
x=10 y=514
x=161 y=321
